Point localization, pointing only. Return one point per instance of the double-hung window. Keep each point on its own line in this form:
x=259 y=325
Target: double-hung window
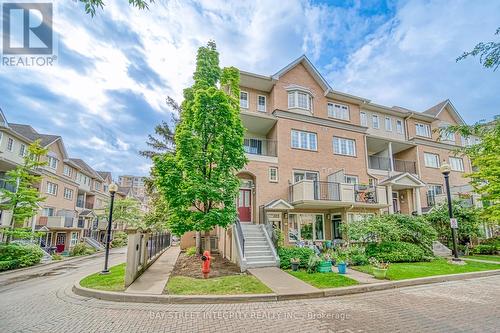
x=67 y=171
x=244 y=99
x=22 y=150
x=339 y=111
x=68 y=193
x=423 y=130
x=343 y=146
x=10 y=144
x=304 y=140
x=431 y=160
x=51 y=188
x=364 y=121
x=52 y=162
x=399 y=126
x=375 y=121
x=447 y=136
x=261 y=103
x=350 y=179
x=388 y=124
x=456 y=164
x=273 y=174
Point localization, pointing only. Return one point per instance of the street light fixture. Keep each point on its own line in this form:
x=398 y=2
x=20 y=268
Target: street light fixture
x=445 y=170
x=113 y=188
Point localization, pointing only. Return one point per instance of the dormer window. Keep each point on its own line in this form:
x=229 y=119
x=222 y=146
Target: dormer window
x=299 y=100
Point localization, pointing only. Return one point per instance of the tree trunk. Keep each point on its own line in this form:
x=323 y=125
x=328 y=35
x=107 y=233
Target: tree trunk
x=199 y=248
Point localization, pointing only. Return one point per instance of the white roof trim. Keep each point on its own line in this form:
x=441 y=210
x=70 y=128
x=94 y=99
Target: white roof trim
x=457 y=115
x=275 y=203
x=406 y=174
x=310 y=67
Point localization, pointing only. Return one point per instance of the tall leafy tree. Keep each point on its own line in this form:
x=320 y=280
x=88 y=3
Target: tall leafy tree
x=489 y=53
x=126 y=211
x=199 y=181
x=484 y=155
x=24 y=197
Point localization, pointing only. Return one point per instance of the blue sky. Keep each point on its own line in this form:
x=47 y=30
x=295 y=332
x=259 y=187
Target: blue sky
x=115 y=70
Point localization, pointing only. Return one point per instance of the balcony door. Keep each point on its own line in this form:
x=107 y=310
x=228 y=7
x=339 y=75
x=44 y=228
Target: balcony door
x=308 y=175
x=245 y=205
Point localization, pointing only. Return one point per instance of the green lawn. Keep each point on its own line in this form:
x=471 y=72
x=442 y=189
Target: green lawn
x=224 y=285
x=114 y=281
x=401 y=271
x=324 y=280
x=484 y=257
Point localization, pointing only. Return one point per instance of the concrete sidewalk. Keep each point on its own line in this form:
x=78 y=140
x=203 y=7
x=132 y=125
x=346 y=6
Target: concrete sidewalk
x=154 y=279
x=281 y=282
x=481 y=260
x=357 y=276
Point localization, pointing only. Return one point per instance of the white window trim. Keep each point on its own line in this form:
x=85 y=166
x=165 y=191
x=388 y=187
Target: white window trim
x=67 y=167
x=270 y=177
x=400 y=129
x=363 y=116
x=247 y=100
x=66 y=191
x=461 y=163
x=333 y=104
x=22 y=150
x=314 y=227
x=265 y=103
x=295 y=93
x=437 y=161
x=340 y=153
x=388 y=128
x=54 y=186
x=427 y=130
x=351 y=176
x=9 y=140
x=308 y=143
x=374 y=116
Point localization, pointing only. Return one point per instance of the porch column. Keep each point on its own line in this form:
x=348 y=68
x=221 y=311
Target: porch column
x=418 y=206
x=389 y=199
x=391 y=161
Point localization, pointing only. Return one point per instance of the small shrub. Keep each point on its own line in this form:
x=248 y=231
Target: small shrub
x=356 y=256
x=57 y=256
x=120 y=239
x=396 y=252
x=485 y=249
x=287 y=253
x=19 y=255
x=191 y=251
x=81 y=249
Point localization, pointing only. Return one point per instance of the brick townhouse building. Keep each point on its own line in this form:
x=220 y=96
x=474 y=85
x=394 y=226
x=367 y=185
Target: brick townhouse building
x=75 y=194
x=319 y=158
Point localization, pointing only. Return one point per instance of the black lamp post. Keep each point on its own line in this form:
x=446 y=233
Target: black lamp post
x=112 y=190
x=445 y=170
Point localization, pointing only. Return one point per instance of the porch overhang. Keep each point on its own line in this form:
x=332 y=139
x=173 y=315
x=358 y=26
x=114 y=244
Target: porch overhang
x=278 y=205
x=403 y=181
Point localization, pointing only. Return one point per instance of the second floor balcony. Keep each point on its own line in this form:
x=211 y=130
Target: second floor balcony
x=315 y=194
x=57 y=222
x=258 y=146
x=384 y=163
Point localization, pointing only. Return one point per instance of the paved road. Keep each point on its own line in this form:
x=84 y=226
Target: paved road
x=44 y=303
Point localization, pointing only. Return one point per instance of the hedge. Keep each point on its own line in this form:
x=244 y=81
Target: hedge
x=19 y=255
x=396 y=252
x=287 y=253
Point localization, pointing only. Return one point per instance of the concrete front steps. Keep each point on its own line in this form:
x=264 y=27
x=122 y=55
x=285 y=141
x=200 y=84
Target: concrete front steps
x=259 y=251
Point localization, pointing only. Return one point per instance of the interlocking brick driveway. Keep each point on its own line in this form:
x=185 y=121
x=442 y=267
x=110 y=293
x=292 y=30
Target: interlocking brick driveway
x=46 y=304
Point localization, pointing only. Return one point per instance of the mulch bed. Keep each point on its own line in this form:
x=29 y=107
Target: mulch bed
x=191 y=266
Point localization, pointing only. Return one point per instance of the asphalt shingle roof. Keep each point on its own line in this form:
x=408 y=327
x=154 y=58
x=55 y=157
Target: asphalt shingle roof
x=28 y=132
x=85 y=167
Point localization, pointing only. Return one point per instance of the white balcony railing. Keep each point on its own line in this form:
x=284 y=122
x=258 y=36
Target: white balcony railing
x=309 y=190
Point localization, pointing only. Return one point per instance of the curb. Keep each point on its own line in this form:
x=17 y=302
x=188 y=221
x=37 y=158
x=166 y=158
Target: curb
x=218 y=299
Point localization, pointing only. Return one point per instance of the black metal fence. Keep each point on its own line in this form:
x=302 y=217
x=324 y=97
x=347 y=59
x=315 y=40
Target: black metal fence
x=157 y=242
x=405 y=166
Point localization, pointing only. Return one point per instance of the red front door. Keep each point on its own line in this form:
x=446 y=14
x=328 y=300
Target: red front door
x=60 y=242
x=245 y=205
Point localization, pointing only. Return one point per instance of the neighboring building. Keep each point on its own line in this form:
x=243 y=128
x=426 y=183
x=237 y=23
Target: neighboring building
x=319 y=158
x=136 y=183
x=75 y=194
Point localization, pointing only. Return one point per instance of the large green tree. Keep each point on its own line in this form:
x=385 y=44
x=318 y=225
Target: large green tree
x=199 y=181
x=126 y=211
x=489 y=53
x=23 y=198
x=485 y=157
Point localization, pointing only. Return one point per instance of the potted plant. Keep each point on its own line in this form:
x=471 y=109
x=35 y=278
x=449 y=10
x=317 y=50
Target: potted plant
x=295 y=262
x=313 y=263
x=379 y=268
x=342 y=261
x=325 y=265
x=328 y=244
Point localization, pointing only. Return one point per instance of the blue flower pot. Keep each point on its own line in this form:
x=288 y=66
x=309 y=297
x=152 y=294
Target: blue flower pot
x=342 y=268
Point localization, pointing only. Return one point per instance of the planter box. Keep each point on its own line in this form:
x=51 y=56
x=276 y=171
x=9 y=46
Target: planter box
x=325 y=267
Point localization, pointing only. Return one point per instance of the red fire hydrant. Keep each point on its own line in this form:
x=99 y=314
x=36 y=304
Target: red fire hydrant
x=205 y=266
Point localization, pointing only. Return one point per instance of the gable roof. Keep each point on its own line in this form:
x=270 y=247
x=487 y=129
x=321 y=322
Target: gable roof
x=105 y=174
x=438 y=108
x=86 y=168
x=30 y=133
x=309 y=67
x=278 y=204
